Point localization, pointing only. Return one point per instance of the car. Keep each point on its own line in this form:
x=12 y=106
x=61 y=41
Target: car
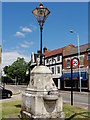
x=4 y=93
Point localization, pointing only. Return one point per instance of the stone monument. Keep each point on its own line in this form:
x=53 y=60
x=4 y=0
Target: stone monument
x=41 y=98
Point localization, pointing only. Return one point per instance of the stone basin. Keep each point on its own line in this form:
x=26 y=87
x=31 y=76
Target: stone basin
x=50 y=97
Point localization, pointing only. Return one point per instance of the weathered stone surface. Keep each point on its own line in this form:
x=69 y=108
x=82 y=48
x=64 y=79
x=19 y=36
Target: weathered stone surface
x=41 y=70
x=41 y=99
x=41 y=79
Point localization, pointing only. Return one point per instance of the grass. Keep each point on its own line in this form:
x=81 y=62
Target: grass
x=12 y=109
x=72 y=112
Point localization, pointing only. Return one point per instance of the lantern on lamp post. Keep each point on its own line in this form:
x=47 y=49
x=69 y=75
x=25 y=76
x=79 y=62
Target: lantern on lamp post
x=41 y=15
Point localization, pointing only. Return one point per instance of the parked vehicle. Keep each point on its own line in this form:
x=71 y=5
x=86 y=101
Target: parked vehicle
x=4 y=93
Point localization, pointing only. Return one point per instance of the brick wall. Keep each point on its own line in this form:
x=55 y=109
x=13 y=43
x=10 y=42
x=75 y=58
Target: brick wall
x=86 y=62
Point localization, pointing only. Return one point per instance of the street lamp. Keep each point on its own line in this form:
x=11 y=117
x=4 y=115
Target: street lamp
x=41 y=15
x=71 y=31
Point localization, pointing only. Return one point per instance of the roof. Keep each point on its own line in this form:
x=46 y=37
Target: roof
x=56 y=51
x=68 y=50
x=53 y=52
x=74 y=50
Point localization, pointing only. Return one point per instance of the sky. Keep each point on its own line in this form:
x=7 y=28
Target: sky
x=21 y=31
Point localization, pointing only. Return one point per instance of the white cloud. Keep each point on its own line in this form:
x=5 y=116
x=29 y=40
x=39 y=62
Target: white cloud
x=9 y=57
x=26 y=44
x=33 y=26
x=20 y=34
x=29 y=42
x=26 y=29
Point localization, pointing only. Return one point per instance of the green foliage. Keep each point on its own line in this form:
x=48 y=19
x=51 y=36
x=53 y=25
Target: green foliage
x=17 y=70
x=5 y=69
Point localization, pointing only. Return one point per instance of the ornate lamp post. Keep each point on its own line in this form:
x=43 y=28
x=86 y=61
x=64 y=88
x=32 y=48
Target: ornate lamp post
x=41 y=15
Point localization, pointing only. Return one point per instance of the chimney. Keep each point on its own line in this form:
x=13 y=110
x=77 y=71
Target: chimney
x=38 y=52
x=44 y=49
x=32 y=57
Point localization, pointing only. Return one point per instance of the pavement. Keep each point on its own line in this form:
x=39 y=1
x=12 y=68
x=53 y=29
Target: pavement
x=13 y=88
x=75 y=92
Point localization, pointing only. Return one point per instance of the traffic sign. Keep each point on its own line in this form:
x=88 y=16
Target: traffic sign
x=75 y=62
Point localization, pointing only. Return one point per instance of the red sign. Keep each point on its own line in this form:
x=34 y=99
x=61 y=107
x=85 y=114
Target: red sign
x=75 y=62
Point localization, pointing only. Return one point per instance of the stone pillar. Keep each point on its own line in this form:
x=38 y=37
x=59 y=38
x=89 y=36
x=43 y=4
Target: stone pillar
x=41 y=99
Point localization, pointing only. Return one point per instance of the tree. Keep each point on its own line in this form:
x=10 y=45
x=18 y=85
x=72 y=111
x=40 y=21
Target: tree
x=17 y=70
x=6 y=69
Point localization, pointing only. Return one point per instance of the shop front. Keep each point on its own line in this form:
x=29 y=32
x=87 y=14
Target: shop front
x=66 y=81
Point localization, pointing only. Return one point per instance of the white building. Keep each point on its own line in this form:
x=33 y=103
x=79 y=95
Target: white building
x=53 y=60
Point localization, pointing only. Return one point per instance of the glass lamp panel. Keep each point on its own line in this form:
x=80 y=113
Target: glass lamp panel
x=35 y=12
x=40 y=12
x=46 y=12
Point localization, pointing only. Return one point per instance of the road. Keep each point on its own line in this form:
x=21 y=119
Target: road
x=76 y=97
x=79 y=99
x=15 y=89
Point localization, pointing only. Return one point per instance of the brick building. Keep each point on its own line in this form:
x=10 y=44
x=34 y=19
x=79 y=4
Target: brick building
x=68 y=54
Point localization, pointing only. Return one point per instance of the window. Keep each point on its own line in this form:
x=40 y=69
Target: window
x=58 y=58
x=88 y=57
x=53 y=60
x=84 y=84
x=81 y=60
x=58 y=69
x=68 y=62
x=53 y=70
x=67 y=83
x=47 y=60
